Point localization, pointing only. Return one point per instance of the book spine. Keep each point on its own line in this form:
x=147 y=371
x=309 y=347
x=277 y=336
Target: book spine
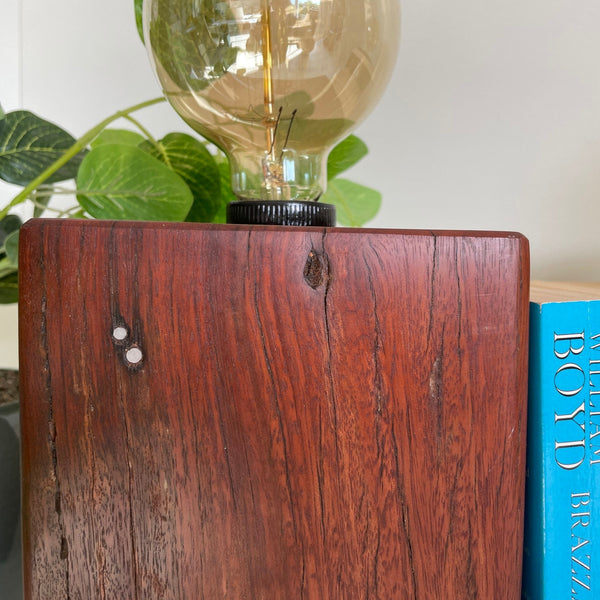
x=563 y=461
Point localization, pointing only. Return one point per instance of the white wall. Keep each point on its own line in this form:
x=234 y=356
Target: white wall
x=10 y=43
x=492 y=119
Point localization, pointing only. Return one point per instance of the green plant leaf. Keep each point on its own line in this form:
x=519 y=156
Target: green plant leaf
x=190 y=159
x=193 y=41
x=8 y=225
x=116 y=181
x=9 y=288
x=345 y=155
x=29 y=145
x=118 y=136
x=227 y=194
x=138 y=7
x=11 y=247
x=355 y=203
x=6 y=267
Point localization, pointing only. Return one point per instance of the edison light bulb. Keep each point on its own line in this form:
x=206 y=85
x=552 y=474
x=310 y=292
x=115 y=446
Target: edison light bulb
x=273 y=83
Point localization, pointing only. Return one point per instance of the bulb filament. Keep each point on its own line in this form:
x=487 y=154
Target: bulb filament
x=269 y=101
x=287 y=136
x=271 y=146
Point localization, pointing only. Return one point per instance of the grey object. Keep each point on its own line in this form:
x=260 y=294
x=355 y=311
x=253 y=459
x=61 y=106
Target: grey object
x=10 y=489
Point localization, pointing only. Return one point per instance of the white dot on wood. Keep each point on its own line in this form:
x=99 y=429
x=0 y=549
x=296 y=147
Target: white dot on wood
x=134 y=356
x=120 y=333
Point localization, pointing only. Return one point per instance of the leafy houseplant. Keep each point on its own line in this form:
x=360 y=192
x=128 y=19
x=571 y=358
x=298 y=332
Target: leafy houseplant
x=122 y=174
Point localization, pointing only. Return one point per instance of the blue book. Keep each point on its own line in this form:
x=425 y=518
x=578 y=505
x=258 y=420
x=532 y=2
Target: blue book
x=562 y=508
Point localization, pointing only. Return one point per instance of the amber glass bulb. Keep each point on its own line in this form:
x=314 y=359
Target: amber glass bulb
x=274 y=83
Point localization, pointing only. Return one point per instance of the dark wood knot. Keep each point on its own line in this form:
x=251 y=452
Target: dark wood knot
x=314 y=270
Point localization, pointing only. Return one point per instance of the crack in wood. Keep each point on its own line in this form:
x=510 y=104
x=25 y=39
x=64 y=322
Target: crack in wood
x=329 y=348
x=436 y=398
x=405 y=516
x=380 y=398
x=459 y=307
x=64 y=548
x=52 y=435
x=432 y=286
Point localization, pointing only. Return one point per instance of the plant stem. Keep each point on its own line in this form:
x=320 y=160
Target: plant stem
x=150 y=138
x=77 y=147
x=60 y=212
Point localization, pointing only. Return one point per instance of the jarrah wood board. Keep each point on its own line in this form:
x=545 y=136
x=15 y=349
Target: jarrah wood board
x=233 y=412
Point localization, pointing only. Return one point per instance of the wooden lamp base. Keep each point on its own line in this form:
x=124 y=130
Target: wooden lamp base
x=272 y=413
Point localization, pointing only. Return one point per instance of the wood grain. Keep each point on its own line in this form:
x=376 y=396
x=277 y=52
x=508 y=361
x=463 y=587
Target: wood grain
x=319 y=413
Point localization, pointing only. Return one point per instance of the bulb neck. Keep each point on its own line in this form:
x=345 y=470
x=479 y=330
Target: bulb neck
x=295 y=213
x=287 y=175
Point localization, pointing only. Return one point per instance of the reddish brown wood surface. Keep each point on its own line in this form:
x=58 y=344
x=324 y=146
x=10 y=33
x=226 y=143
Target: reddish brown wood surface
x=323 y=414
